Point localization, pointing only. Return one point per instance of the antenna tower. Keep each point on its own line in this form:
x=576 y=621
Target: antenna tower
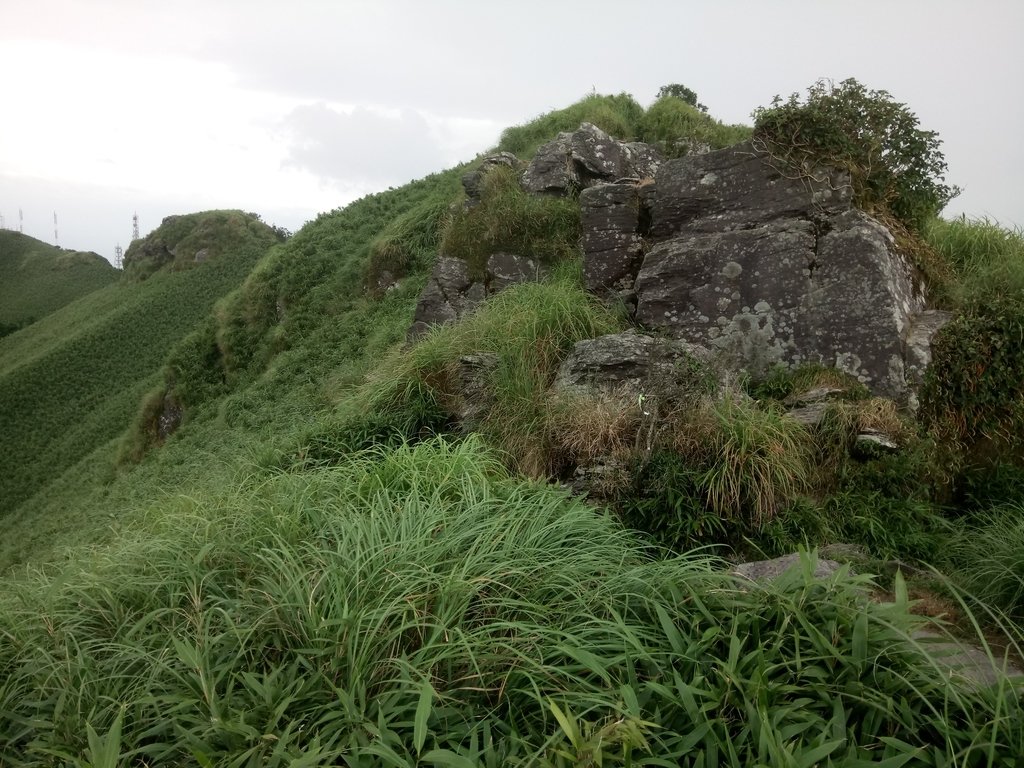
x=135 y=226
x=118 y=254
x=56 y=240
x=21 y=221
x=3 y=224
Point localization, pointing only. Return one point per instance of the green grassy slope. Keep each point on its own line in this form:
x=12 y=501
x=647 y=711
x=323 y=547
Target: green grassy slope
x=74 y=381
x=36 y=278
x=317 y=569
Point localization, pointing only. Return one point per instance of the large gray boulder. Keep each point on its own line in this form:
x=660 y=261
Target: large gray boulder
x=585 y=157
x=768 y=269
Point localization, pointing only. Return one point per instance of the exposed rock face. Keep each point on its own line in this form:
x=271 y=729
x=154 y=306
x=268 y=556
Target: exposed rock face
x=452 y=292
x=612 y=235
x=633 y=362
x=169 y=418
x=769 y=269
x=584 y=157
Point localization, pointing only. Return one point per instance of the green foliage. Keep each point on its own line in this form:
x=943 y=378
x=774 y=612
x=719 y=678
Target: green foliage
x=679 y=91
x=678 y=128
x=780 y=382
x=418 y=605
x=542 y=227
x=74 y=380
x=987 y=261
x=618 y=116
x=894 y=165
x=182 y=242
x=529 y=328
x=974 y=389
x=754 y=459
x=409 y=243
x=37 y=279
x=322 y=270
x=664 y=499
x=987 y=558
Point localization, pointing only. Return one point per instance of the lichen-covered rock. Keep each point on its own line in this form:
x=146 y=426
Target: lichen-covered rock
x=452 y=292
x=475 y=396
x=444 y=298
x=634 y=362
x=612 y=243
x=769 y=570
x=505 y=269
x=769 y=270
x=738 y=187
x=585 y=157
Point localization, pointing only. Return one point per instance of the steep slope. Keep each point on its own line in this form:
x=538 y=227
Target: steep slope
x=73 y=381
x=37 y=278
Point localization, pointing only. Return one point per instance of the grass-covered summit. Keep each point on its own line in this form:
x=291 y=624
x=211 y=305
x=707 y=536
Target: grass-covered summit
x=37 y=278
x=331 y=560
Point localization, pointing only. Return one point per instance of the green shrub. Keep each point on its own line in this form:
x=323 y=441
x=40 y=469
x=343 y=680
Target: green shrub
x=664 y=499
x=893 y=164
x=974 y=387
x=677 y=127
x=680 y=91
x=542 y=227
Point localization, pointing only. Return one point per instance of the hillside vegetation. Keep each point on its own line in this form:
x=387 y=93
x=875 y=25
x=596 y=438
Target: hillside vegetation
x=328 y=562
x=37 y=278
x=73 y=381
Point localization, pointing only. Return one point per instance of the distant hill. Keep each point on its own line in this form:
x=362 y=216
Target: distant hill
x=73 y=380
x=37 y=279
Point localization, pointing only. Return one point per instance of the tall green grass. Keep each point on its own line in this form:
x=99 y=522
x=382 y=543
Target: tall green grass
x=677 y=128
x=618 y=115
x=509 y=219
x=418 y=606
x=974 y=391
x=529 y=329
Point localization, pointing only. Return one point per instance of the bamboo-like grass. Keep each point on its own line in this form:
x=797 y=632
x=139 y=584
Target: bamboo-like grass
x=419 y=606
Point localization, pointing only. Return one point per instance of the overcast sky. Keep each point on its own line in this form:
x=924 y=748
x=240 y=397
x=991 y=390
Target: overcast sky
x=293 y=108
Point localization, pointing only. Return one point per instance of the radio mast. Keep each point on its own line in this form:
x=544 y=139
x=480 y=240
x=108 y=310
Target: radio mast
x=118 y=253
x=56 y=240
x=135 y=226
x=21 y=222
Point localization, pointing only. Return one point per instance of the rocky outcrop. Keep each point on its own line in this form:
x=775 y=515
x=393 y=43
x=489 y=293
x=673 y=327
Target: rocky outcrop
x=726 y=250
x=587 y=156
x=631 y=362
x=452 y=291
x=613 y=220
x=769 y=269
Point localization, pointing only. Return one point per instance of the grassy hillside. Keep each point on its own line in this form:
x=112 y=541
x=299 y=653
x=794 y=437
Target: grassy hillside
x=72 y=382
x=36 y=278
x=321 y=566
